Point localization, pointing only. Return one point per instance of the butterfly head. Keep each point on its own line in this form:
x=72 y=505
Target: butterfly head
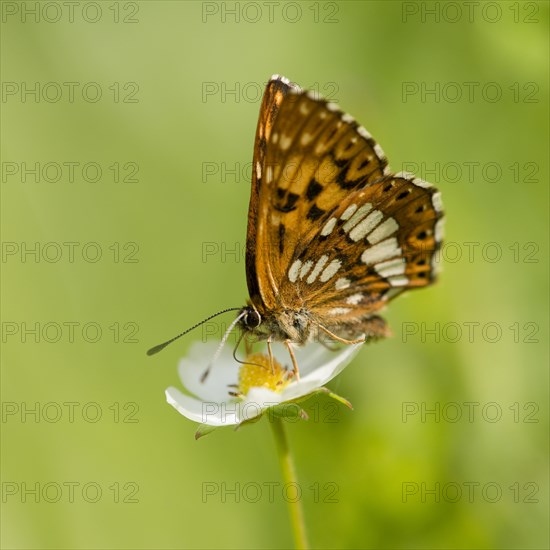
x=251 y=319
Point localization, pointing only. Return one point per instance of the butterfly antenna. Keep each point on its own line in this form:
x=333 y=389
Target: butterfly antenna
x=160 y=347
x=220 y=347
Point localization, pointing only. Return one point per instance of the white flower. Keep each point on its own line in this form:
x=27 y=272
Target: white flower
x=211 y=402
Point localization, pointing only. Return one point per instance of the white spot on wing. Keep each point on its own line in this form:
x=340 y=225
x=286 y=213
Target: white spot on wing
x=348 y=212
x=405 y=175
x=366 y=226
x=305 y=269
x=357 y=217
x=313 y=94
x=285 y=142
x=398 y=281
x=391 y=267
x=269 y=174
x=437 y=203
x=436 y=263
x=439 y=230
x=258 y=170
x=421 y=183
x=293 y=271
x=339 y=310
x=383 y=231
x=306 y=138
x=330 y=270
x=382 y=251
x=379 y=151
x=317 y=269
x=329 y=226
x=281 y=78
x=363 y=132
x=413 y=179
x=347 y=118
x=354 y=299
x=342 y=283
x=274 y=137
x=332 y=106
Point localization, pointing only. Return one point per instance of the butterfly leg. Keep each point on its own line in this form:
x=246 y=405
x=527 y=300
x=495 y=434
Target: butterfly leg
x=343 y=340
x=288 y=345
x=270 y=353
x=329 y=347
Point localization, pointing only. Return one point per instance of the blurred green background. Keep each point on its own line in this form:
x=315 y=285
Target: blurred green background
x=110 y=463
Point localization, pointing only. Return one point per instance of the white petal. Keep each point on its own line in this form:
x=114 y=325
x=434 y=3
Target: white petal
x=212 y=413
x=262 y=397
x=256 y=401
x=224 y=372
x=316 y=377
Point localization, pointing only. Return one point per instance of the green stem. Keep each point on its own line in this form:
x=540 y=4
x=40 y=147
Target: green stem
x=289 y=476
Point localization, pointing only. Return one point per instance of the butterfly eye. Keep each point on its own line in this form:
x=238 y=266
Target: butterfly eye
x=252 y=319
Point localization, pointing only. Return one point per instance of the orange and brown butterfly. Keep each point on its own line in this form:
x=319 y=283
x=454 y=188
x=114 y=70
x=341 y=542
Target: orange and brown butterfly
x=332 y=234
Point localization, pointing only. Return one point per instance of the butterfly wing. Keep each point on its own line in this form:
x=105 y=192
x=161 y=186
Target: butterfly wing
x=381 y=240
x=331 y=231
x=308 y=158
x=277 y=89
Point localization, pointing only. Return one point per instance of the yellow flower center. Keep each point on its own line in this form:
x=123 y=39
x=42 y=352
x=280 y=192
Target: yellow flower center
x=258 y=371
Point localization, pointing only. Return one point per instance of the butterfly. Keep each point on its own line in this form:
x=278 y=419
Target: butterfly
x=332 y=234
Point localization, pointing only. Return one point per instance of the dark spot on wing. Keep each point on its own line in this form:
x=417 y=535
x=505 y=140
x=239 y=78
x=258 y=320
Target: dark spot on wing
x=349 y=145
x=331 y=133
x=262 y=144
x=315 y=213
x=345 y=183
x=364 y=162
x=274 y=110
x=402 y=195
x=341 y=163
x=313 y=189
x=282 y=230
x=290 y=203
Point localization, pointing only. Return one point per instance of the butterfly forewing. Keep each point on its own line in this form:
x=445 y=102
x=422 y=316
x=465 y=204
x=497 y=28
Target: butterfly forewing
x=331 y=231
x=276 y=90
x=309 y=157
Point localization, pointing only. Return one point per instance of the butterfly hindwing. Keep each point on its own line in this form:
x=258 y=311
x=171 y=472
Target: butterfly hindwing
x=381 y=240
